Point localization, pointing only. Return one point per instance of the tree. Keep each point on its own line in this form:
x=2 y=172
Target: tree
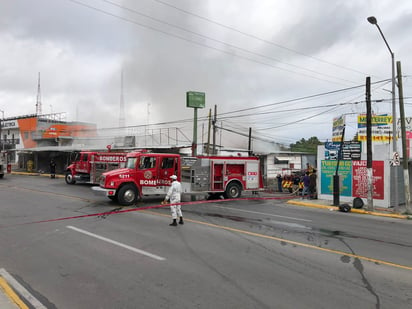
x=309 y=146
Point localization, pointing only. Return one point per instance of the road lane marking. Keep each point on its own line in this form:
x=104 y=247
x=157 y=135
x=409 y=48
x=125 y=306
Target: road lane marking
x=142 y=252
x=12 y=296
x=338 y=252
x=6 y=280
x=262 y=213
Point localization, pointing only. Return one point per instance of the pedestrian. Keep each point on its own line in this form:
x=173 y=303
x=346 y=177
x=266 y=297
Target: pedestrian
x=174 y=196
x=312 y=185
x=306 y=181
x=279 y=178
x=52 y=169
x=295 y=186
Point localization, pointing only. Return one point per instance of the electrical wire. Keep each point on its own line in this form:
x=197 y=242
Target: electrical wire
x=203 y=44
x=257 y=38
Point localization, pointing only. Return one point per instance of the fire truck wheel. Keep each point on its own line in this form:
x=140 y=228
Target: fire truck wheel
x=127 y=195
x=233 y=191
x=69 y=178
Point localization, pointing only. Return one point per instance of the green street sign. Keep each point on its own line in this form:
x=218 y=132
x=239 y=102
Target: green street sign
x=195 y=99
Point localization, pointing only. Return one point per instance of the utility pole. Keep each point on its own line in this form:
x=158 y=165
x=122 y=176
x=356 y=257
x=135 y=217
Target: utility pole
x=394 y=169
x=405 y=155
x=369 y=143
x=214 y=131
x=250 y=142
x=208 y=131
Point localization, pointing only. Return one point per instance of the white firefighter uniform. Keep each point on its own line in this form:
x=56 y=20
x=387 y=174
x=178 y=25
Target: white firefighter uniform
x=173 y=195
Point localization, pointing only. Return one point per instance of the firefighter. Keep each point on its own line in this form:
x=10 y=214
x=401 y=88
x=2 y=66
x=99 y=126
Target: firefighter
x=174 y=196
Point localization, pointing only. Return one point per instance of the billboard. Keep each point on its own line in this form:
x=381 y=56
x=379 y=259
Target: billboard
x=360 y=179
x=353 y=178
x=337 y=128
x=381 y=128
x=195 y=99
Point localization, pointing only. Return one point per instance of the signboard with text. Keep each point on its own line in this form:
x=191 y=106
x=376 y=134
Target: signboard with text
x=381 y=128
x=360 y=179
x=328 y=169
x=195 y=99
x=351 y=150
x=337 y=128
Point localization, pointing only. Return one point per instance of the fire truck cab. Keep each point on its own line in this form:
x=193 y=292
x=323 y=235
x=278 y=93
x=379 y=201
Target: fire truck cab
x=144 y=174
x=149 y=174
x=88 y=166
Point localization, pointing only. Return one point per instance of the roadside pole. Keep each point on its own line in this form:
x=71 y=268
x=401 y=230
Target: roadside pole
x=336 y=182
x=405 y=155
x=195 y=100
x=369 y=143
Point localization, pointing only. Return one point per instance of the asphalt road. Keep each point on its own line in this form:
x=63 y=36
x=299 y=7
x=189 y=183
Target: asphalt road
x=228 y=254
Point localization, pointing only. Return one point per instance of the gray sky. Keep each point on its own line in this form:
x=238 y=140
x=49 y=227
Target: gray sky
x=244 y=54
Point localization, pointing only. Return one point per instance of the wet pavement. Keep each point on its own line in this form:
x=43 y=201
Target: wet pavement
x=9 y=299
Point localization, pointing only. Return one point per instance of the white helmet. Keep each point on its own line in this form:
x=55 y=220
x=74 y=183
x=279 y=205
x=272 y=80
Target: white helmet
x=174 y=177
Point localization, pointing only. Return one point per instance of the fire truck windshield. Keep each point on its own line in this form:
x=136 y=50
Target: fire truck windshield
x=131 y=163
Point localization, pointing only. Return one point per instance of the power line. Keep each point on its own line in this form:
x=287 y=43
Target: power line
x=258 y=38
x=302 y=98
x=205 y=45
x=219 y=41
x=205 y=118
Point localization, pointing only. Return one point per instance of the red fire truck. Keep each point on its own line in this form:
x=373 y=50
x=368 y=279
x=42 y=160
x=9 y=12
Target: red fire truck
x=88 y=166
x=149 y=174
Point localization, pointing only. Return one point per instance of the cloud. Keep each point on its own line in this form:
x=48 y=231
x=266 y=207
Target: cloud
x=242 y=54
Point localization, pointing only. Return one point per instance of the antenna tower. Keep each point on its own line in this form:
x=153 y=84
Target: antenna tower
x=38 y=101
x=122 y=119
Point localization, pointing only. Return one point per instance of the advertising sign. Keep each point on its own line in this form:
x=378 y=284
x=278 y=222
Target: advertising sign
x=360 y=179
x=195 y=99
x=350 y=150
x=337 y=128
x=328 y=169
x=9 y=124
x=381 y=128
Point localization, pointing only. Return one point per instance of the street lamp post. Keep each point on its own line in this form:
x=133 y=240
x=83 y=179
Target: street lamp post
x=373 y=21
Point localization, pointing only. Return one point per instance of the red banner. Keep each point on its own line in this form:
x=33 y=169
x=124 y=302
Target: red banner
x=360 y=179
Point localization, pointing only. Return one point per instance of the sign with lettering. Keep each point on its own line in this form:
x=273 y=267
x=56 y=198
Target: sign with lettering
x=360 y=179
x=195 y=99
x=9 y=124
x=381 y=128
x=328 y=169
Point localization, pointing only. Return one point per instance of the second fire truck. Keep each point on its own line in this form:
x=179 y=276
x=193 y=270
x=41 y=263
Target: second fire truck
x=88 y=166
x=149 y=174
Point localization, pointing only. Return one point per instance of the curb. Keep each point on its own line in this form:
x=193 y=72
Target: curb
x=35 y=174
x=358 y=211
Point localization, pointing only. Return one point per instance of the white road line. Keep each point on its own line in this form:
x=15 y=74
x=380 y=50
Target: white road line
x=263 y=213
x=21 y=290
x=153 y=256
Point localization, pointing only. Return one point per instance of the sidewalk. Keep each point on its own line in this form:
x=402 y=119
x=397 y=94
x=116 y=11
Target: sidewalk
x=35 y=174
x=377 y=211
x=400 y=213
x=8 y=298
x=14 y=296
